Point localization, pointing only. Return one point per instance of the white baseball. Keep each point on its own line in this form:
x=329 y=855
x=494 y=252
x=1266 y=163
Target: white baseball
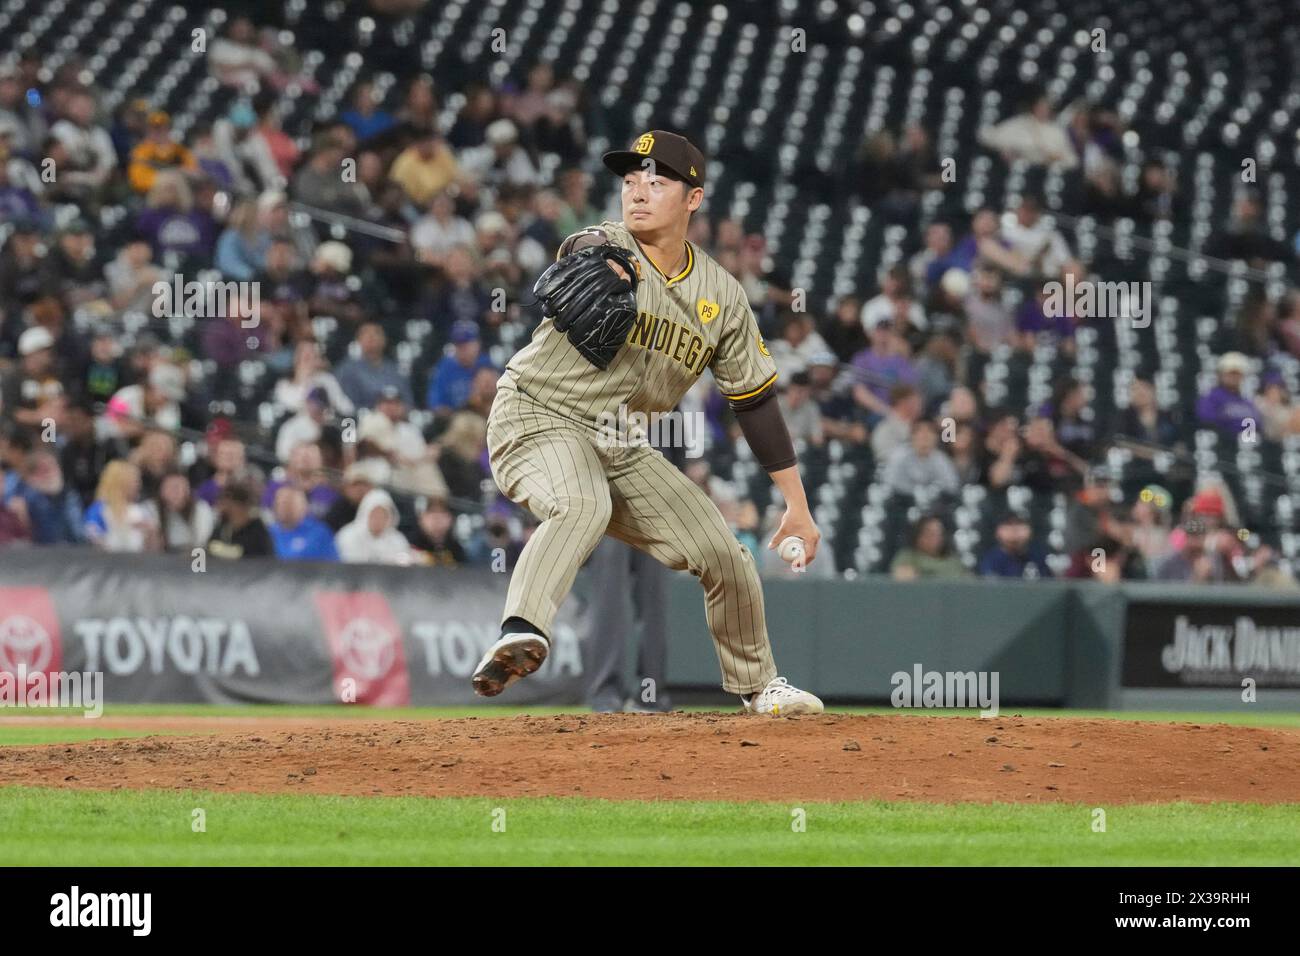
x=790 y=549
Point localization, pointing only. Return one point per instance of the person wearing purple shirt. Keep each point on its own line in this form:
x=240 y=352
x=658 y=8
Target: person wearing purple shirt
x=1224 y=407
x=878 y=368
x=304 y=470
x=1033 y=319
x=171 y=222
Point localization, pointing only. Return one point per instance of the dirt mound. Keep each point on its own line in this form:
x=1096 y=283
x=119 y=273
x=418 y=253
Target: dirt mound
x=709 y=756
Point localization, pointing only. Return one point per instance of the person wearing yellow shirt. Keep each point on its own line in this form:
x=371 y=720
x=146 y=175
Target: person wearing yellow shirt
x=158 y=152
x=425 y=168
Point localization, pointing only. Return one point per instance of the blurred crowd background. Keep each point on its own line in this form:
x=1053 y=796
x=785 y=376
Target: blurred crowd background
x=393 y=231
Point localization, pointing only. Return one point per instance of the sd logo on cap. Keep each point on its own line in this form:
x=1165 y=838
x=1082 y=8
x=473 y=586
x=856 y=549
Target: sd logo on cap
x=669 y=151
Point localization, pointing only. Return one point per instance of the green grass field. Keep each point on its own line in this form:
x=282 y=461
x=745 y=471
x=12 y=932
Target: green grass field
x=64 y=827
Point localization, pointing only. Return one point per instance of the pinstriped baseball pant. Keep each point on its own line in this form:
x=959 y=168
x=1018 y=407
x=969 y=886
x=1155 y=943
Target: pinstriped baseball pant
x=579 y=491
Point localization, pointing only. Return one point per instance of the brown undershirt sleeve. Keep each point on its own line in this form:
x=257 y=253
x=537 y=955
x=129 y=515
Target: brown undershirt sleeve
x=765 y=430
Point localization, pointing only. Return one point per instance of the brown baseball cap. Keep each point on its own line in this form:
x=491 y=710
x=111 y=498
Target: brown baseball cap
x=672 y=151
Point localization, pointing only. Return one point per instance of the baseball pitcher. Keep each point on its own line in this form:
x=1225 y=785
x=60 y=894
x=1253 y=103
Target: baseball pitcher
x=633 y=315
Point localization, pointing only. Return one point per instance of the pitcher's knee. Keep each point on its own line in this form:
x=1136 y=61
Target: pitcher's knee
x=719 y=555
x=576 y=509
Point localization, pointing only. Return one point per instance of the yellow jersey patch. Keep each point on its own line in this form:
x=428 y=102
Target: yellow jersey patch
x=762 y=346
x=707 y=311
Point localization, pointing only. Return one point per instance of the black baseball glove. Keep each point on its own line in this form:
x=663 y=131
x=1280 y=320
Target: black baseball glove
x=589 y=301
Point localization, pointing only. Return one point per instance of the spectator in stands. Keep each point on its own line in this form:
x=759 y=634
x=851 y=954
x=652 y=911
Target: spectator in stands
x=53 y=510
x=483 y=391
x=91 y=158
x=83 y=455
x=414 y=461
x=844 y=333
x=311 y=371
x=988 y=318
x=480 y=109
x=25 y=120
x=802 y=416
x=158 y=152
x=236 y=59
x=1045 y=465
x=435 y=234
x=435 y=539
x=461 y=299
x=32 y=394
x=364 y=377
x=528 y=106
x=895 y=299
x=1035 y=327
x=268 y=139
x=895 y=429
x=1072 y=420
x=240 y=532
x=461 y=459
x=116 y=520
x=1254 y=333
x=184 y=521
x=134 y=408
x=1156 y=191
x=72 y=271
x=1015 y=555
x=1040 y=249
x=1281 y=416
x=1288 y=325
x=71 y=356
x=1032 y=135
x=937 y=367
x=241 y=248
x=232 y=468
x=559 y=131
x=366 y=117
x=18 y=200
x=13 y=517
x=577 y=211
x=425 y=168
x=304 y=470
x=1000 y=451
x=131 y=277
x=502 y=160
x=798 y=343
x=927 y=267
x=296 y=534
x=372 y=537
x=419 y=111
x=1144 y=420
x=1247 y=236
x=1152 y=514
x=1111 y=555
x=172 y=223
x=920 y=464
x=928 y=554
x=305 y=426
x=879 y=368
x=335 y=291
x=1196 y=559
x=155 y=455
x=321 y=181
x=360 y=478
x=1224 y=407
x=449 y=384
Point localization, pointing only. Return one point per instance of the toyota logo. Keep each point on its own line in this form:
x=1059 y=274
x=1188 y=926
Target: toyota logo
x=23 y=641
x=368 y=649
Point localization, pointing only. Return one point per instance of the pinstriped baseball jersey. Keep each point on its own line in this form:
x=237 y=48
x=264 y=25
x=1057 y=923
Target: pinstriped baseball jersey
x=697 y=319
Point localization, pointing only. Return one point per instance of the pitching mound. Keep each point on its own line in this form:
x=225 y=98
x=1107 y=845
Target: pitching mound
x=710 y=756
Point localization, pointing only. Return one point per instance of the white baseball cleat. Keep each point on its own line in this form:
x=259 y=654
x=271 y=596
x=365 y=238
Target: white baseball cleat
x=512 y=657
x=780 y=699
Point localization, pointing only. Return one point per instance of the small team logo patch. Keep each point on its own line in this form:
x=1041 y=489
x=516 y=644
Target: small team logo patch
x=707 y=311
x=762 y=346
x=644 y=143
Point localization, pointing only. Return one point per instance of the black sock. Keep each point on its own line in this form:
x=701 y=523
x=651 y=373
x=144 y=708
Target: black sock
x=517 y=625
